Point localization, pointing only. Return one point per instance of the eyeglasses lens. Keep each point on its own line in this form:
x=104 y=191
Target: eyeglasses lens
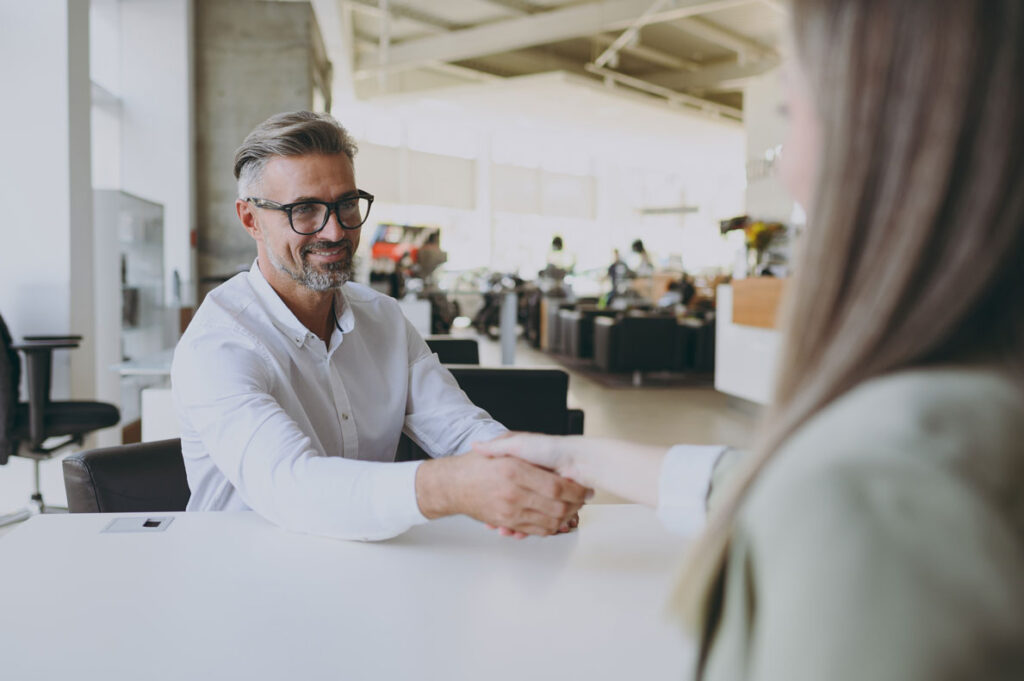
x=308 y=218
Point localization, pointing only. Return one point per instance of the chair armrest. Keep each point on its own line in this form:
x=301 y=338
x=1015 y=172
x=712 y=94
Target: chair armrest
x=63 y=337
x=44 y=345
x=574 y=422
x=39 y=362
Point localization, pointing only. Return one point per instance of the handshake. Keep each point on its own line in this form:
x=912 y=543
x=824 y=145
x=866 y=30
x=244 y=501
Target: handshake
x=520 y=484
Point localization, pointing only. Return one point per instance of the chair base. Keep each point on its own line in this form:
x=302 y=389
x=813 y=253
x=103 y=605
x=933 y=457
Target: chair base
x=18 y=516
x=35 y=507
x=39 y=507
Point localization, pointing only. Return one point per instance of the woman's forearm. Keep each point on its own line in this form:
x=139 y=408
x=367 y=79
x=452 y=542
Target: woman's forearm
x=625 y=469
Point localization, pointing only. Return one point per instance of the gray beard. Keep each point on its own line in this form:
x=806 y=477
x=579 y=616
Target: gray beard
x=334 y=275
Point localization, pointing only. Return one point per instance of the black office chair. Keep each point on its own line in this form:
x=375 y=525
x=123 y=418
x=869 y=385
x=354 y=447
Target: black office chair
x=530 y=399
x=144 y=477
x=40 y=428
x=454 y=350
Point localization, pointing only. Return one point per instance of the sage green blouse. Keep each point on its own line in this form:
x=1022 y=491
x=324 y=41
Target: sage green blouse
x=884 y=542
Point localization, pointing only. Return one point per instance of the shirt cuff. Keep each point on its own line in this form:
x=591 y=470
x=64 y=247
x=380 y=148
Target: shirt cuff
x=683 y=486
x=394 y=497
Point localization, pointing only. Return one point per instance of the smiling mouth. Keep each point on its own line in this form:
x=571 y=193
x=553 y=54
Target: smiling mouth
x=328 y=251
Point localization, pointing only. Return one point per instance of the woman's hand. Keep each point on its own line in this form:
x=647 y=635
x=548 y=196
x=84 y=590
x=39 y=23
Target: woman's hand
x=555 y=453
x=626 y=469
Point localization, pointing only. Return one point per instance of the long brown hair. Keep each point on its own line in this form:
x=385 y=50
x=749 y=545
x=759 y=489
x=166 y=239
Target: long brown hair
x=914 y=254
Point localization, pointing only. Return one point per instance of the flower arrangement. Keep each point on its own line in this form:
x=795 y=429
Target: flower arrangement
x=759 y=235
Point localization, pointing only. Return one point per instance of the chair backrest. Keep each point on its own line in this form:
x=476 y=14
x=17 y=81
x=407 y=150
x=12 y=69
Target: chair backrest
x=519 y=398
x=10 y=380
x=455 y=350
x=145 y=477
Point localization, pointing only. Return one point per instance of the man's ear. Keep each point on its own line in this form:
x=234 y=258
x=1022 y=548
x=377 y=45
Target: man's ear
x=247 y=217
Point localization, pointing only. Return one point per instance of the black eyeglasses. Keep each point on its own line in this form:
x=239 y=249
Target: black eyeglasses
x=309 y=217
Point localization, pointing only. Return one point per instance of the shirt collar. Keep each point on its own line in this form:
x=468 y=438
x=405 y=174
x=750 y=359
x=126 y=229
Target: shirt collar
x=284 y=319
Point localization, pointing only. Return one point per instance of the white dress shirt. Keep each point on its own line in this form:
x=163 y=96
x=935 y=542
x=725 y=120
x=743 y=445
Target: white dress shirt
x=304 y=433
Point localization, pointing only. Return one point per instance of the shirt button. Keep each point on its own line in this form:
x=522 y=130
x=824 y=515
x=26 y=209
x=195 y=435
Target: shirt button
x=344 y=417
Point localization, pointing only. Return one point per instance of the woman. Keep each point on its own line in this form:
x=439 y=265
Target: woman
x=876 y=530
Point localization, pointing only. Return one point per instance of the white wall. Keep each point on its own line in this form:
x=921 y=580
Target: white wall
x=45 y=185
x=551 y=155
x=156 y=123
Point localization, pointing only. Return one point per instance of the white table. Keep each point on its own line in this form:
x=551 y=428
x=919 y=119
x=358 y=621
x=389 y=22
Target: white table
x=229 y=596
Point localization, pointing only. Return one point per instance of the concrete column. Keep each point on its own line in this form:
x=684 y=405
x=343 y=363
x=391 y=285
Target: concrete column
x=253 y=59
x=46 y=270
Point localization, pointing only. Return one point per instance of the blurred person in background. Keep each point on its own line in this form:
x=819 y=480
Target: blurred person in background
x=640 y=262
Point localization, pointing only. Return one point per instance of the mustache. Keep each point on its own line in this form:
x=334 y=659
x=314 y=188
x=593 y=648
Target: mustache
x=327 y=246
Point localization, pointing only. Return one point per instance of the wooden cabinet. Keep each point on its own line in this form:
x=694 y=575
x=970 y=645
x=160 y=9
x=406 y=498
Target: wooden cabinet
x=755 y=301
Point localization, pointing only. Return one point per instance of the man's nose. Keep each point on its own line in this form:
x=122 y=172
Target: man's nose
x=333 y=231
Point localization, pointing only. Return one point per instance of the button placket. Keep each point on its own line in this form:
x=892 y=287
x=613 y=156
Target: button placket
x=343 y=407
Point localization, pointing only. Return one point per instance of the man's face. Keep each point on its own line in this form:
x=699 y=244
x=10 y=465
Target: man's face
x=318 y=262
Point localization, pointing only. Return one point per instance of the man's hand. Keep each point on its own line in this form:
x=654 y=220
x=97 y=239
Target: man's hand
x=500 y=491
x=571 y=525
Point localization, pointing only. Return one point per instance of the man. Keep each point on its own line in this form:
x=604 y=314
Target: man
x=293 y=385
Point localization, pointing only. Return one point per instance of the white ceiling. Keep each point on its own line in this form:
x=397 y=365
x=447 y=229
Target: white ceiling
x=695 y=54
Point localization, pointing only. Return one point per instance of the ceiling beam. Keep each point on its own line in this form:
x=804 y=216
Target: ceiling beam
x=722 y=77
x=747 y=48
x=527 y=62
x=633 y=47
x=536 y=29
x=366 y=42
x=398 y=11
x=631 y=34
x=673 y=97
x=520 y=62
x=521 y=6
x=669 y=61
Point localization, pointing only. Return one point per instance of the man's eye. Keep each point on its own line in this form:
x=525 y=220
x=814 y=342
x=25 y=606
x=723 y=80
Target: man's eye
x=304 y=209
x=348 y=204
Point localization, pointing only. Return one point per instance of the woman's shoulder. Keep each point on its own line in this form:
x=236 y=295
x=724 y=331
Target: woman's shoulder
x=896 y=511
x=945 y=433
x=946 y=417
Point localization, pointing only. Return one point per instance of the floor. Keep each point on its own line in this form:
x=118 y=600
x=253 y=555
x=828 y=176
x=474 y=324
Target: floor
x=657 y=416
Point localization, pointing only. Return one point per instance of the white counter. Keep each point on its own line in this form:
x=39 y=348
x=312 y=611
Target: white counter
x=745 y=356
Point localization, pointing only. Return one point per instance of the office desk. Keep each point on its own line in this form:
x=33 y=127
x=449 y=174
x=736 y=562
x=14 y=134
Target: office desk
x=229 y=596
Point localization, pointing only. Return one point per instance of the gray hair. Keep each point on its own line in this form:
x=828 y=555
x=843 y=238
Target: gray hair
x=295 y=133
